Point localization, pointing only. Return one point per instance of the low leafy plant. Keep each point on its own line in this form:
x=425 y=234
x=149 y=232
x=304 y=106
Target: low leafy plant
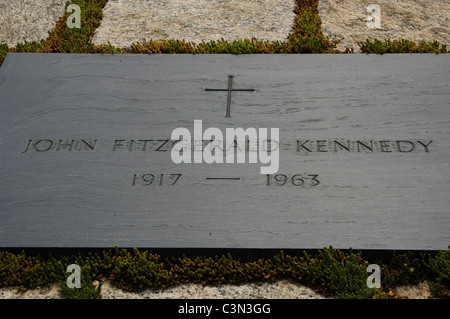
x=87 y=290
x=307 y=36
x=404 y=269
x=401 y=46
x=76 y=40
x=338 y=274
x=330 y=272
x=23 y=271
x=63 y=39
x=439 y=266
x=3 y=52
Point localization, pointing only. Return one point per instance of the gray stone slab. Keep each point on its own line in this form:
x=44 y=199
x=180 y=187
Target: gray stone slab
x=373 y=130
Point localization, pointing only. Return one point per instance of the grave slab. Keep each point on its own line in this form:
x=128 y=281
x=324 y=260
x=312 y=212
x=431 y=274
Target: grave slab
x=86 y=151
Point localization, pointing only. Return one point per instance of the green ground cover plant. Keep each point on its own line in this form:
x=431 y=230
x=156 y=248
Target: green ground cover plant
x=401 y=46
x=331 y=272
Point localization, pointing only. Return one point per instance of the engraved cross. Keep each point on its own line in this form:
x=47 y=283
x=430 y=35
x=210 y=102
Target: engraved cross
x=230 y=89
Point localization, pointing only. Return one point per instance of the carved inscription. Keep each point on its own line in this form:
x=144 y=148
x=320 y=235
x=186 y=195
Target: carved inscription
x=286 y=179
x=71 y=145
x=165 y=145
x=148 y=179
x=294 y=180
x=363 y=146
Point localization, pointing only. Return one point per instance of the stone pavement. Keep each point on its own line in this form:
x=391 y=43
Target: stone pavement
x=29 y=20
x=128 y=21
x=416 y=20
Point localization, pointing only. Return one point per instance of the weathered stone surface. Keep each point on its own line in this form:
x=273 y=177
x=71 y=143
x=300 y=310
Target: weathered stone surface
x=415 y=20
x=28 y=20
x=130 y=21
x=369 y=135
